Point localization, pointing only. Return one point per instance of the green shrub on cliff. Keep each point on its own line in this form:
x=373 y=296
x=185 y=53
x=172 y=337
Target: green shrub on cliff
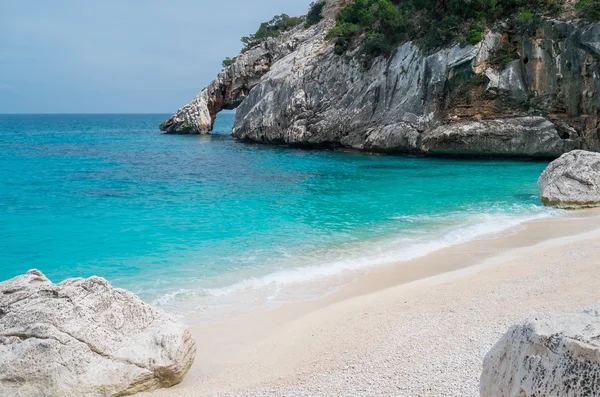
x=525 y=16
x=383 y=24
x=382 y=21
x=475 y=36
x=277 y=25
x=377 y=43
x=441 y=31
x=504 y=54
x=314 y=15
x=590 y=9
x=273 y=28
x=343 y=33
x=228 y=62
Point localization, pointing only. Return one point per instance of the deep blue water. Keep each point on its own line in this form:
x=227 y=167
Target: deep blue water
x=110 y=195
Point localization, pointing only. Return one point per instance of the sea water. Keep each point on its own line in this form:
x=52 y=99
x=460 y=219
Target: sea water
x=183 y=219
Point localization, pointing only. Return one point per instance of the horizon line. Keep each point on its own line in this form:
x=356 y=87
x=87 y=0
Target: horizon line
x=76 y=113
x=91 y=113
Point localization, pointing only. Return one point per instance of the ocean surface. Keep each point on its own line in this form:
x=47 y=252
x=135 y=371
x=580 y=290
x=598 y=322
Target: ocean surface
x=195 y=222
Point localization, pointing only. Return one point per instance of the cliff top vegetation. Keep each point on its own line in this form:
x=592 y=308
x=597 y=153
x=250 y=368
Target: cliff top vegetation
x=278 y=25
x=590 y=9
x=380 y=25
x=272 y=28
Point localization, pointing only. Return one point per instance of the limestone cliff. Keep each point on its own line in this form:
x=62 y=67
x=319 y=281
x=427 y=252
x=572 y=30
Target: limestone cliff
x=465 y=100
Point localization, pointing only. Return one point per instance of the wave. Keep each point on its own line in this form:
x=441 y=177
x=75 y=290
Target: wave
x=441 y=232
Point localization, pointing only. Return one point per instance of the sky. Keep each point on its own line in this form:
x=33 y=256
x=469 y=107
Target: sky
x=120 y=56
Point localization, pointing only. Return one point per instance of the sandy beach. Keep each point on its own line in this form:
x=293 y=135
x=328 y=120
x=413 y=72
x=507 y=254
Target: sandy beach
x=416 y=328
x=326 y=198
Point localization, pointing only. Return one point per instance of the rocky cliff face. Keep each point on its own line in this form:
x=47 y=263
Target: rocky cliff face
x=233 y=85
x=524 y=90
x=230 y=87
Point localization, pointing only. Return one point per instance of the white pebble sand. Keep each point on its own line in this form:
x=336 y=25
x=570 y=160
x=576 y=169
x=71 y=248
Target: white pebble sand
x=412 y=329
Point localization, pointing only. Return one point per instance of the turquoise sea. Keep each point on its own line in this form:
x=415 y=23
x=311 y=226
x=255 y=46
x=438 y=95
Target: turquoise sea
x=186 y=221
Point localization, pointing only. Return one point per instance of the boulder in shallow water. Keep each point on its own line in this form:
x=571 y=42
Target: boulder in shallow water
x=557 y=357
x=84 y=338
x=572 y=181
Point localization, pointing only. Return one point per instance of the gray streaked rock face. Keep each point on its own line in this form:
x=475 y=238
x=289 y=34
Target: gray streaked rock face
x=521 y=136
x=401 y=103
x=228 y=90
x=512 y=84
x=193 y=118
x=82 y=337
x=231 y=87
x=572 y=181
x=557 y=357
x=314 y=96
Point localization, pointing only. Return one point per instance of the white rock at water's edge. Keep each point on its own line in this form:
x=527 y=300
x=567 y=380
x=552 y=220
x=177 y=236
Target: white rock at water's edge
x=572 y=181
x=82 y=337
x=554 y=357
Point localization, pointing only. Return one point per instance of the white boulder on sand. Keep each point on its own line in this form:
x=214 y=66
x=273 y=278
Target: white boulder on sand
x=572 y=180
x=557 y=357
x=84 y=338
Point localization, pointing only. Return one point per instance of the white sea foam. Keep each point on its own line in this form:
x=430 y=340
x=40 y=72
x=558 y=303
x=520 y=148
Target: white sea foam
x=455 y=228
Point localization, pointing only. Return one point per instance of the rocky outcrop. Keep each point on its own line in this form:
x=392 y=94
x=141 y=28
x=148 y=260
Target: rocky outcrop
x=436 y=103
x=84 y=338
x=557 y=357
x=572 y=181
x=331 y=99
x=519 y=136
x=232 y=86
x=227 y=91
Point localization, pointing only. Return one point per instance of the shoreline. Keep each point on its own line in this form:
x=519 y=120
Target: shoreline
x=336 y=268
x=308 y=348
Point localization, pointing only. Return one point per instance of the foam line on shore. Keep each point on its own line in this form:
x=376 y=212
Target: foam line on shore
x=367 y=254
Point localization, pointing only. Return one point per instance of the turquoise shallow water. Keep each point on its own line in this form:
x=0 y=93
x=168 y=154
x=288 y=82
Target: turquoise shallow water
x=178 y=218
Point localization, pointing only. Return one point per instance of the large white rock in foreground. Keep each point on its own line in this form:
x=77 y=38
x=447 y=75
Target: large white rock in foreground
x=558 y=357
x=572 y=180
x=84 y=338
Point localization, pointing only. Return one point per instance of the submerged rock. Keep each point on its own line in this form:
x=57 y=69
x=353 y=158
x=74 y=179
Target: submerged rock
x=557 y=357
x=82 y=337
x=572 y=181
